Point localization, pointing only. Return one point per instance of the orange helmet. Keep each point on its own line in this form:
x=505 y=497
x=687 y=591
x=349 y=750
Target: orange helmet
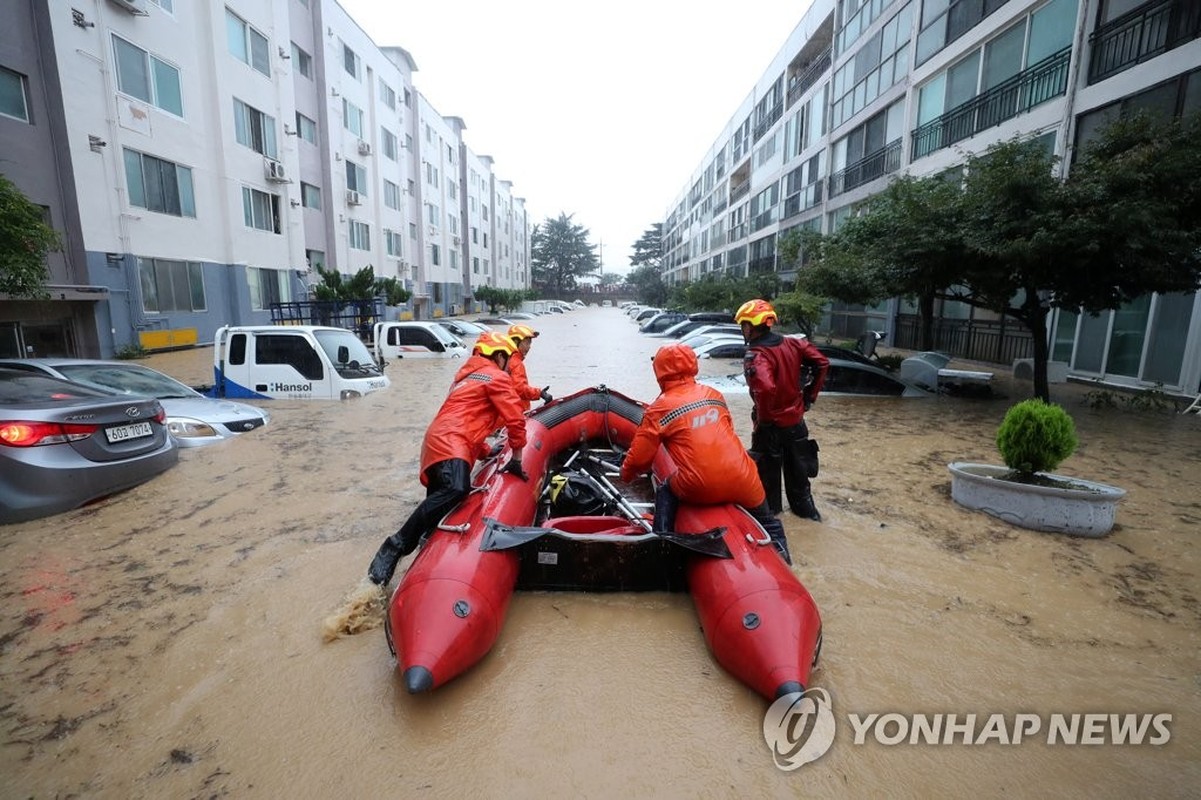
x=756 y=312
x=490 y=343
x=519 y=332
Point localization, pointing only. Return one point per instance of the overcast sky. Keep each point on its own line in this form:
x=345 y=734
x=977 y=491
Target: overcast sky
x=600 y=110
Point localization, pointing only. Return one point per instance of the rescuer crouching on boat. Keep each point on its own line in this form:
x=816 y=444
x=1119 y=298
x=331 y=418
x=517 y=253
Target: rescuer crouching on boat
x=482 y=398
x=523 y=339
x=693 y=423
x=780 y=441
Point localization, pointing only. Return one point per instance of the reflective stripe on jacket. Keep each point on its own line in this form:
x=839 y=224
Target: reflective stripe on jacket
x=482 y=398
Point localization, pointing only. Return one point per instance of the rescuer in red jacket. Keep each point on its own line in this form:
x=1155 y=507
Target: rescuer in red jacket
x=523 y=339
x=694 y=424
x=482 y=398
x=774 y=366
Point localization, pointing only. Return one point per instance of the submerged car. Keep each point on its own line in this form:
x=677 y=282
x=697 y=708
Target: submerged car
x=467 y=331
x=64 y=444
x=845 y=377
x=192 y=419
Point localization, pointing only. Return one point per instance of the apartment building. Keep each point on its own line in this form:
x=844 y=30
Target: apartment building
x=200 y=159
x=863 y=90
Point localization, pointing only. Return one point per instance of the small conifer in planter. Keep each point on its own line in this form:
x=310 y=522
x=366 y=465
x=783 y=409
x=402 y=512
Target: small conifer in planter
x=1035 y=437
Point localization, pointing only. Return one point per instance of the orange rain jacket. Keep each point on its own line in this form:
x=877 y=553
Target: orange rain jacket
x=481 y=399
x=521 y=382
x=694 y=424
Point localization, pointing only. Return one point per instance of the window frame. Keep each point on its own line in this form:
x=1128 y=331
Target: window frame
x=248 y=32
x=151 y=75
x=23 y=85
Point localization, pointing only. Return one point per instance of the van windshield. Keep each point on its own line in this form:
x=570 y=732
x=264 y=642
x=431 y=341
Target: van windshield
x=330 y=341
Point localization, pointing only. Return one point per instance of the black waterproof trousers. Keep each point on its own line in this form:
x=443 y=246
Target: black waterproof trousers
x=448 y=482
x=787 y=453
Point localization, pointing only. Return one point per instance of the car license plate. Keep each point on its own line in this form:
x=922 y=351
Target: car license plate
x=122 y=433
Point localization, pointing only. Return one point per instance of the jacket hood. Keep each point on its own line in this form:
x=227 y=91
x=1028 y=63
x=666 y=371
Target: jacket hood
x=674 y=363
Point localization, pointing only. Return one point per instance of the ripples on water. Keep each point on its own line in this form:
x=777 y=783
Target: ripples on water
x=167 y=642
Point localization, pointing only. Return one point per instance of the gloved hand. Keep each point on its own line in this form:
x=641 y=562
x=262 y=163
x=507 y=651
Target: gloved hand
x=545 y=395
x=809 y=401
x=514 y=468
x=496 y=449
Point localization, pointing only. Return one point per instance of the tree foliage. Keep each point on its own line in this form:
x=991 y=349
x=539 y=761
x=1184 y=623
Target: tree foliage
x=25 y=239
x=1015 y=238
x=363 y=285
x=648 y=250
x=647 y=285
x=560 y=253
x=496 y=298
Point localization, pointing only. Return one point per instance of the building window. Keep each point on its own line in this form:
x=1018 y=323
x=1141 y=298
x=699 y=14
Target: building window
x=393 y=241
x=435 y=214
x=391 y=195
x=260 y=210
x=306 y=128
x=389 y=143
x=268 y=286
x=14 y=95
x=158 y=185
x=435 y=255
x=147 y=77
x=387 y=95
x=315 y=258
x=882 y=61
x=356 y=177
x=254 y=129
x=360 y=235
x=944 y=21
x=413 y=231
x=350 y=61
x=310 y=196
x=246 y=44
x=303 y=61
x=171 y=285
x=352 y=118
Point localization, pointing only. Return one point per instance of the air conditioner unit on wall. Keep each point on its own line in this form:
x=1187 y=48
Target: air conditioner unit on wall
x=135 y=7
x=353 y=198
x=274 y=171
x=364 y=149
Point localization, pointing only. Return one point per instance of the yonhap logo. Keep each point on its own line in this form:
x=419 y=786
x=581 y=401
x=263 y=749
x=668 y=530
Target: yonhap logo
x=799 y=728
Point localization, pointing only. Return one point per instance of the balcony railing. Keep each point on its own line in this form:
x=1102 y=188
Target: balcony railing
x=1142 y=34
x=765 y=124
x=761 y=264
x=761 y=221
x=740 y=191
x=867 y=169
x=798 y=85
x=806 y=198
x=1030 y=87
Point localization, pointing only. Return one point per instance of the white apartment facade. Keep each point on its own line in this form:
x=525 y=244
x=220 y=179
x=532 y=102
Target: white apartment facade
x=866 y=89
x=207 y=155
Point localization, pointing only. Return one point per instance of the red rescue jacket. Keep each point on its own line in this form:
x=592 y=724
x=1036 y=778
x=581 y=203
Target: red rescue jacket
x=521 y=382
x=481 y=399
x=694 y=424
x=772 y=366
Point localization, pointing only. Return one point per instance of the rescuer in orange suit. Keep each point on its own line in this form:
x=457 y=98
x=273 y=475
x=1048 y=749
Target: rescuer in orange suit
x=482 y=398
x=694 y=424
x=775 y=368
x=523 y=339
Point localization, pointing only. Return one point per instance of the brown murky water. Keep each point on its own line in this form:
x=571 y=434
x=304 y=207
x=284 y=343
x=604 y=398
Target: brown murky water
x=166 y=642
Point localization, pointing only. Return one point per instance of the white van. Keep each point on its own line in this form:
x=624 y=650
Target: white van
x=398 y=340
x=292 y=362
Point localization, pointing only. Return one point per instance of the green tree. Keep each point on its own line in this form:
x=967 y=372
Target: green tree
x=559 y=253
x=647 y=284
x=907 y=243
x=394 y=292
x=25 y=239
x=648 y=250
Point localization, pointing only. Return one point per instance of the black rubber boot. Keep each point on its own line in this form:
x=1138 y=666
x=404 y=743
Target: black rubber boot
x=806 y=508
x=387 y=557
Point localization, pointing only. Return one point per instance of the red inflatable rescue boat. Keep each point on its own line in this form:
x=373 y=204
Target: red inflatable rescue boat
x=571 y=526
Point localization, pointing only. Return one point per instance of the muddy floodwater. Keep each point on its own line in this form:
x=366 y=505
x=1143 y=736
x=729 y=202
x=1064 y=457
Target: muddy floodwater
x=166 y=642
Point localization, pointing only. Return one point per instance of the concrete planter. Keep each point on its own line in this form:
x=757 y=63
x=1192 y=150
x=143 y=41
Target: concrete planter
x=1088 y=511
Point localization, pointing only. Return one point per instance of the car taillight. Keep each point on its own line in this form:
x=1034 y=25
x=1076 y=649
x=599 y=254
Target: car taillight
x=161 y=416
x=32 y=434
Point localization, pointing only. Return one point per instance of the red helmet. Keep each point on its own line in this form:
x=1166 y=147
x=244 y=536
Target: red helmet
x=756 y=312
x=491 y=342
x=519 y=332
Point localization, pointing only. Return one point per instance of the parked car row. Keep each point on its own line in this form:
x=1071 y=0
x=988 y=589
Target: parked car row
x=76 y=430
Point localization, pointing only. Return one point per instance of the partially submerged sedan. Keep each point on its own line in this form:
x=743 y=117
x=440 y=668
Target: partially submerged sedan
x=192 y=419
x=845 y=377
x=64 y=444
